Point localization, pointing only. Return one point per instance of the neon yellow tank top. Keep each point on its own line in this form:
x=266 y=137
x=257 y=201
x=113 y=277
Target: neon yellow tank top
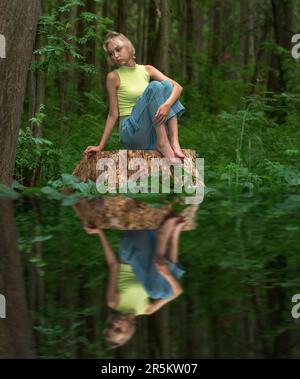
x=133 y=297
x=133 y=81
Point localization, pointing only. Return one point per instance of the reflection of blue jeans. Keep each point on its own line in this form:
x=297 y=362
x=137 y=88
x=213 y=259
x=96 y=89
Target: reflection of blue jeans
x=138 y=248
x=137 y=131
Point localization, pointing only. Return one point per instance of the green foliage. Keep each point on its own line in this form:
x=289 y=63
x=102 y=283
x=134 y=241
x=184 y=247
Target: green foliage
x=59 y=39
x=29 y=150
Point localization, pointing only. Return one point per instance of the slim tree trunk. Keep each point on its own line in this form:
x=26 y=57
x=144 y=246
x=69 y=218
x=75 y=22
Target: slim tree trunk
x=163 y=61
x=139 y=32
x=244 y=33
x=182 y=28
x=37 y=86
x=282 y=11
x=259 y=51
x=18 y=22
x=216 y=32
x=122 y=11
x=16 y=337
x=197 y=38
x=151 y=31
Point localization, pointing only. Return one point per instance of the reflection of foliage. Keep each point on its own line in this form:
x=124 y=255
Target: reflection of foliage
x=232 y=261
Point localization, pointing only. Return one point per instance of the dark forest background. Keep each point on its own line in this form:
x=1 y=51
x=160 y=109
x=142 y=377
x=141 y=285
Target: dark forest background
x=241 y=93
x=233 y=58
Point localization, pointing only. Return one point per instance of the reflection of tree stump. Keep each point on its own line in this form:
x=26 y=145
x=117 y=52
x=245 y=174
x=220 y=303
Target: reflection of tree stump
x=86 y=168
x=120 y=212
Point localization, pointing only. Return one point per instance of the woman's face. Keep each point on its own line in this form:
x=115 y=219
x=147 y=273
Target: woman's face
x=118 y=328
x=119 y=52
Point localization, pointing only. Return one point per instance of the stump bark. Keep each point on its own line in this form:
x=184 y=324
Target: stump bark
x=123 y=213
x=86 y=168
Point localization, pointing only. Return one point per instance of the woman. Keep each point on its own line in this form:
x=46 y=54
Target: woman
x=148 y=112
x=143 y=279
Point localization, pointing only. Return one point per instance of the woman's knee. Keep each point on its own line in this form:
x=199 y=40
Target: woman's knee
x=167 y=84
x=155 y=86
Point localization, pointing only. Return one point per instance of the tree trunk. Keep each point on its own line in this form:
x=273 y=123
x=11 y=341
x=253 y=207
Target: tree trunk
x=163 y=57
x=139 y=33
x=182 y=29
x=282 y=11
x=18 y=22
x=151 y=32
x=259 y=51
x=103 y=62
x=16 y=338
x=37 y=86
x=216 y=32
x=244 y=33
x=197 y=38
x=122 y=10
x=89 y=52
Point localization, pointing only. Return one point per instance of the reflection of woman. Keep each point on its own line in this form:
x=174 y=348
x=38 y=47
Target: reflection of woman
x=144 y=278
x=148 y=111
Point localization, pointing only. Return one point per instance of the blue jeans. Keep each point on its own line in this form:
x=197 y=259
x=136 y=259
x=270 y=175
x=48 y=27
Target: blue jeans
x=138 y=248
x=137 y=131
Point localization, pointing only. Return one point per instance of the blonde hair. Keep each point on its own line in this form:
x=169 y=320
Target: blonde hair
x=118 y=339
x=117 y=38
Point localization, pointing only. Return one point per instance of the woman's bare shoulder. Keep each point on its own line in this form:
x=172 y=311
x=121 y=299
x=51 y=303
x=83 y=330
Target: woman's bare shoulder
x=148 y=67
x=113 y=78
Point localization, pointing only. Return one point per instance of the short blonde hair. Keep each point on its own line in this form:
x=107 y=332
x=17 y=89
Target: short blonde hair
x=117 y=38
x=117 y=339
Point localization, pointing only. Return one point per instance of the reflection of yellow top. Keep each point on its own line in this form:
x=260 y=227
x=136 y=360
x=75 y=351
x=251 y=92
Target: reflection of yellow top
x=133 y=297
x=133 y=81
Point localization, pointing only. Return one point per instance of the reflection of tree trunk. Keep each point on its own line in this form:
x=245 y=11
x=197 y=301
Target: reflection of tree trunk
x=183 y=329
x=259 y=324
x=16 y=339
x=18 y=23
x=276 y=297
x=38 y=291
x=196 y=330
x=161 y=318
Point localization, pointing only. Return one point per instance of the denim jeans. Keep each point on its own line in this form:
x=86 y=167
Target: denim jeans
x=137 y=131
x=138 y=248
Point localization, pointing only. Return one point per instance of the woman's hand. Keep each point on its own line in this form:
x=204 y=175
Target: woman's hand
x=162 y=113
x=91 y=149
x=91 y=229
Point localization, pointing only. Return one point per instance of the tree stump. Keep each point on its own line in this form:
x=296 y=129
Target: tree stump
x=124 y=213
x=86 y=168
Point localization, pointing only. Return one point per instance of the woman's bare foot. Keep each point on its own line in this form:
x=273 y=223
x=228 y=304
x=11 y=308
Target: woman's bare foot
x=179 y=225
x=168 y=225
x=177 y=149
x=168 y=153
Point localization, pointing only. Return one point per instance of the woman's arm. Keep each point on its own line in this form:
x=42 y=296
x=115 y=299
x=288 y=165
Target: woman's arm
x=162 y=267
x=155 y=74
x=113 y=115
x=155 y=305
x=112 y=294
x=163 y=110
